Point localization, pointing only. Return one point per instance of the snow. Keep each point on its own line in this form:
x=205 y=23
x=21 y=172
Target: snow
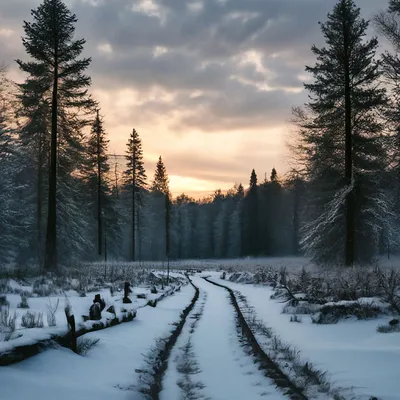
x=107 y=371
x=80 y=306
x=225 y=370
x=353 y=352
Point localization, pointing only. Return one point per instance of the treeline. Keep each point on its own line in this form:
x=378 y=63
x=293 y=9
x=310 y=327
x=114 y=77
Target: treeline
x=60 y=201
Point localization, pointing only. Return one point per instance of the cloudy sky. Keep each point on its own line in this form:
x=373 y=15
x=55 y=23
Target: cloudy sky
x=208 y=84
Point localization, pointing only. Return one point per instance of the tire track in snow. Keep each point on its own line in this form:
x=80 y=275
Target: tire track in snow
x=157 y=360
x=227 y=371
x=180 y=380
x=272 y=369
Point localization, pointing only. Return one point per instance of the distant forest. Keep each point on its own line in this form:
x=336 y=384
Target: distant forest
x=61 y=202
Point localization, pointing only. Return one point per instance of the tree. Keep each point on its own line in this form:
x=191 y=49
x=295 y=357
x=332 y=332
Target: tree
x=388 y=23
x=251 y=231
x=134 y=181
x=97 y=178
x=341 y=141
x=160 y=188
x=56 y=77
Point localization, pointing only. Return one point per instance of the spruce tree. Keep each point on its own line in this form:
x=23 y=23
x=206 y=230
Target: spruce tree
x=56 y=77
x=98 y=176
x=388 y=23
x=251 y=217
x=340 y=138
x=134 y=181
x=160 y=187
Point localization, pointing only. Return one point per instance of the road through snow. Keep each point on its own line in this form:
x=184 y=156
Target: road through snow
x=227 y=372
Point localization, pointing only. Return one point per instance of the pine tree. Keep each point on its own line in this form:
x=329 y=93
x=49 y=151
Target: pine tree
x=340 y=137
x=134 y=181
x=251 y=217
x=97 y=177
x=388 y=23
x=274 y=175
x=160 y=188
x=56 y=73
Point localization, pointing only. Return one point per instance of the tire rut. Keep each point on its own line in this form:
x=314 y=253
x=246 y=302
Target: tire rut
x=159 y=361
x=272 y=370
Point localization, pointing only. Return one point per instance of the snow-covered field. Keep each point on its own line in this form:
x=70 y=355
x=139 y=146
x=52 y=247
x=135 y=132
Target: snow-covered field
x=209 y=359
x=352 y=352
x=106 y=372
x=57 y=302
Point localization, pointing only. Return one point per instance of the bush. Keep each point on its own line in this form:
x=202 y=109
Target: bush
x=24 y=302
x=154 y=290
x=85 y=344
x=331 y=314
x=3 y=301
x=7 y=323
x=51 y=313
x=296 y=318
x=32 y=320
x=141 y=296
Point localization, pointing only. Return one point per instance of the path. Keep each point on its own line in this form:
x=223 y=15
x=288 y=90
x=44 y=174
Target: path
x=224 y=369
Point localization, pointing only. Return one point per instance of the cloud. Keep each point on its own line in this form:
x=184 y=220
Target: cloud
x=190 y=69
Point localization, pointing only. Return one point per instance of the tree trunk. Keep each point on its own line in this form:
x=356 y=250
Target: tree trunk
x=296 y=224
x=51 y=233
x=39 y=203
x=99 y=205
x=350 y=200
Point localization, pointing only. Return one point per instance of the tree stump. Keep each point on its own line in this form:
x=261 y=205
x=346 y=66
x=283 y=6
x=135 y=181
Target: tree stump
x=127 y=291
x=72 y=330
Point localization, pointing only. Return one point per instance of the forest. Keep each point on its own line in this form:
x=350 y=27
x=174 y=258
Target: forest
x=61 y=201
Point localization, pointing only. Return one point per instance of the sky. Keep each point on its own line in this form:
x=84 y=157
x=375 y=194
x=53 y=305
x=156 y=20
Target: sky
x=208 y=84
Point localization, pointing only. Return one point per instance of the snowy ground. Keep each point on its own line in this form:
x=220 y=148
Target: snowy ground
x=106 y=372
x=208 y=360
x=80 y=306
x=226 y=372
x=353 y=352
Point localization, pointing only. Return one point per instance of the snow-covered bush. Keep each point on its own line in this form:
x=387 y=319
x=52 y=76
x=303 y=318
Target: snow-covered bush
x=295 y=318
x=332 y=313
x=7 y=323
x=24 y=302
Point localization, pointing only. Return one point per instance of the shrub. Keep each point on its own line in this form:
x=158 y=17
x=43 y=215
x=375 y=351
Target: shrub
x=154 y=290
x=141 y=296
x=24 y=302
x=331 y=314
x=295 y=318
x=32 y=320
x=51 y=313
x=388 y=328
x=3 y=301
x=7 y=323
